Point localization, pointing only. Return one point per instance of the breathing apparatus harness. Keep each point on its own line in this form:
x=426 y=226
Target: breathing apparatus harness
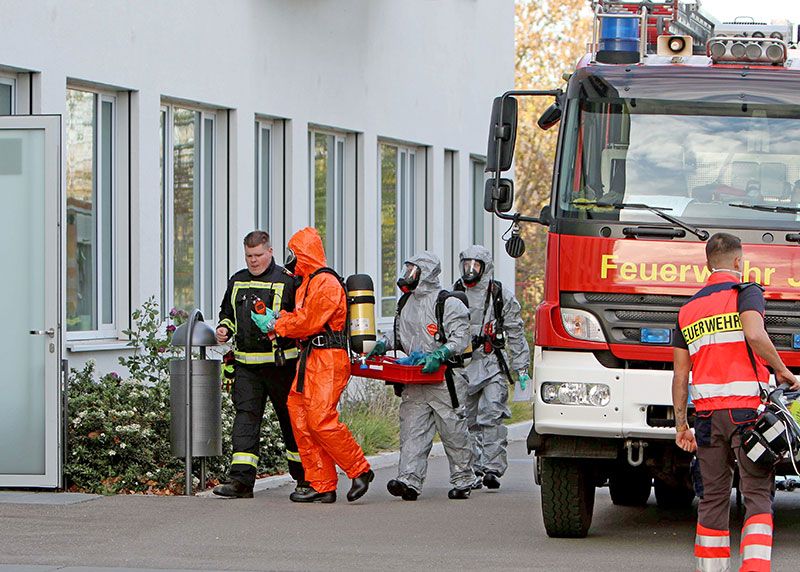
x=492 y=338
x=440 y=337
x=327 y=339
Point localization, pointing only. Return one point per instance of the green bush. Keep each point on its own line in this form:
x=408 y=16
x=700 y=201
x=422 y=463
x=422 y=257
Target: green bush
x=118 y=433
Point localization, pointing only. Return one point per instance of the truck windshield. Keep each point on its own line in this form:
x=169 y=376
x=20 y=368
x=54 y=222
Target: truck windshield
x=693 y=158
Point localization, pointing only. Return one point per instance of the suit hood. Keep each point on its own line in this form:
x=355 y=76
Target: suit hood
x=478 y=252
x=429 y=270
x=307 y=247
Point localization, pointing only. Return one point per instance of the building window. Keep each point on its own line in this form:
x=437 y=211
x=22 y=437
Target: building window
x=263 y=175
x=481 y=223
x=398 y=189
x=7 y=89
x=327 y=184
x=90 y=134
x=187 y=181
x=450 y=263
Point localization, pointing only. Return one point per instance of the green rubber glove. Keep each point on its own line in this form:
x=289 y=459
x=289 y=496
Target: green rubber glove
x=378 y=350
x=265 y=322
x=523 y=378
x=435 y=359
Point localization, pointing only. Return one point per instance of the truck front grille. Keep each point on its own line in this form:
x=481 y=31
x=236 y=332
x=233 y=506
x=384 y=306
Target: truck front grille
x=622 y=316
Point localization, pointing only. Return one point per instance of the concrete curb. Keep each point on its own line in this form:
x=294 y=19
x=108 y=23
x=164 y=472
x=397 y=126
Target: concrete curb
x=516 y=432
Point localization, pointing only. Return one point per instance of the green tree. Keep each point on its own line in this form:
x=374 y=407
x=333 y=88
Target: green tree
x=551 y=35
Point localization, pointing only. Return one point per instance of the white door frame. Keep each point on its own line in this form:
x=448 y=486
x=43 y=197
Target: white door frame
x=54 y=275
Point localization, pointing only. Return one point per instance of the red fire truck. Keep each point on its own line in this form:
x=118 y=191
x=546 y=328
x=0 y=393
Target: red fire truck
x=667 y=133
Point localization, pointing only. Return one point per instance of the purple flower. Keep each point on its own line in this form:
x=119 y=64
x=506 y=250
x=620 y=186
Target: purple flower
x=114 y=375
x=171 y=328
x=173 y=312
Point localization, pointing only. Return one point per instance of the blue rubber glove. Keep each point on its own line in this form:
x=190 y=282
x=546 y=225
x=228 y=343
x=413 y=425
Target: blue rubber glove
x=265 y=322
x=414 y=358
x=378 y=350
x=435 y=359
x=523 y=378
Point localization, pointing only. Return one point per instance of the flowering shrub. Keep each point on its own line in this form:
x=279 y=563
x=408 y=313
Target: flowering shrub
x=118 y=437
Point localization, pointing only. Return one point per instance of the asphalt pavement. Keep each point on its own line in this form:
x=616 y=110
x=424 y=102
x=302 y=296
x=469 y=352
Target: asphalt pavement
x=493 y=530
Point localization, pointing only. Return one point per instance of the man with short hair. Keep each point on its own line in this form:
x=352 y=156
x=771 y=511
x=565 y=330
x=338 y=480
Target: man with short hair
x=264 y=365
x=721 y=340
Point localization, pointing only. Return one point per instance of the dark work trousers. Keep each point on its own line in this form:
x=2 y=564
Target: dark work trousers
x=252 y=387
x=718 y=435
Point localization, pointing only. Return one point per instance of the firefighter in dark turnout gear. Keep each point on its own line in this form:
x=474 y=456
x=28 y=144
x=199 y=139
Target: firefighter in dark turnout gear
x=264 y=365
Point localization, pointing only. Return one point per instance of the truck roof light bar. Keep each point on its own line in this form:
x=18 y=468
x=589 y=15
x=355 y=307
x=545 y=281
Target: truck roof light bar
x=758 y=51
x=744 y=27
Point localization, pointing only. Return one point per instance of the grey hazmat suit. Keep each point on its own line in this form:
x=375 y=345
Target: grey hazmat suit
x=427 y=408
x=487 y=385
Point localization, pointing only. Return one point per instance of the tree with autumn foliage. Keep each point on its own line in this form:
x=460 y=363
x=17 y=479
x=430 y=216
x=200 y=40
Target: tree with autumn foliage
x=551 y=35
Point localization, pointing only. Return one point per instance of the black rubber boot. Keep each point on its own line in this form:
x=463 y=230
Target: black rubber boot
x=491 y=481
x=360 y=485
x=234 y=490
x=458 y=494
x=400 y=489
x=311 y=495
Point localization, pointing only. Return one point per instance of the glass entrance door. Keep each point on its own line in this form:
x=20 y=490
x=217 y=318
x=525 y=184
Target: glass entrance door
x=30 y=338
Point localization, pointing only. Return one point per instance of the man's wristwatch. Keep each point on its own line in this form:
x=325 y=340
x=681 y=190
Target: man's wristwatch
x=681 y=428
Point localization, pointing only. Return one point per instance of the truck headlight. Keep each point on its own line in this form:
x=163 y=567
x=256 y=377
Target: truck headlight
x=574 y=393
x=582 y=325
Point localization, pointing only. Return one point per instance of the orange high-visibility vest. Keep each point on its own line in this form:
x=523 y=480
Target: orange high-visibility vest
x=723 y=375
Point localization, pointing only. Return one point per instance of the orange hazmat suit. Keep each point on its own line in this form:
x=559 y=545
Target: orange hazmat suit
x=323 y=441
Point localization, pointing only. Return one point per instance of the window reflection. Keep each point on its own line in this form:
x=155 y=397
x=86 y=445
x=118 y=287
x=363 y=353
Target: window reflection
x=696 y=159
x=186 y=178
x=389 y=264
x=6 y=98
x=81 y=220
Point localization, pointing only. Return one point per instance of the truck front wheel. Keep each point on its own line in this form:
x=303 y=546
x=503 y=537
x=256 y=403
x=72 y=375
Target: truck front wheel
x=567 y=497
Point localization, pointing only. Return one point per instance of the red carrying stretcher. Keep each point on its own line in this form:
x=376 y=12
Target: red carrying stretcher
x=385 y=369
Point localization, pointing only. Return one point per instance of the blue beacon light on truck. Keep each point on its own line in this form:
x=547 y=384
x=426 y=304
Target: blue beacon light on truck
x=619 y=39
x=618 y=34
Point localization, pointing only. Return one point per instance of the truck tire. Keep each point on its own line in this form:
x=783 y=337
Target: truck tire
x=567 y=497
x=630 y=486
x=672 y=497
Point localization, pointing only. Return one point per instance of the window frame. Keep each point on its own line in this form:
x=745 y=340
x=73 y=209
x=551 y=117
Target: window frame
x=204 y=277
x=335 y=206
x=12 y=82
x=105 y=329
x=408 y=183
x=263 y=198
x=477 y=164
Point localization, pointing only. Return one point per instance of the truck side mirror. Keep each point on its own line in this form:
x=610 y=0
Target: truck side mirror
x=502 y=131
x=550 y=117
x=545 y=216
x=498 y=199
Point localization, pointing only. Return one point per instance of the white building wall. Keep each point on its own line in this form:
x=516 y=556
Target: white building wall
x=417 y=71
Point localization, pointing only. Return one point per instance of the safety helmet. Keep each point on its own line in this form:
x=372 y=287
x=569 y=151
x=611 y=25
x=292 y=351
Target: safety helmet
x=471 y=271
x=409 y=278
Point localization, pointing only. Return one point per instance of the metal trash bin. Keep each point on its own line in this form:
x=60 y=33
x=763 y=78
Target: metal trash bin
x=206 y=408
x=196 y=415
